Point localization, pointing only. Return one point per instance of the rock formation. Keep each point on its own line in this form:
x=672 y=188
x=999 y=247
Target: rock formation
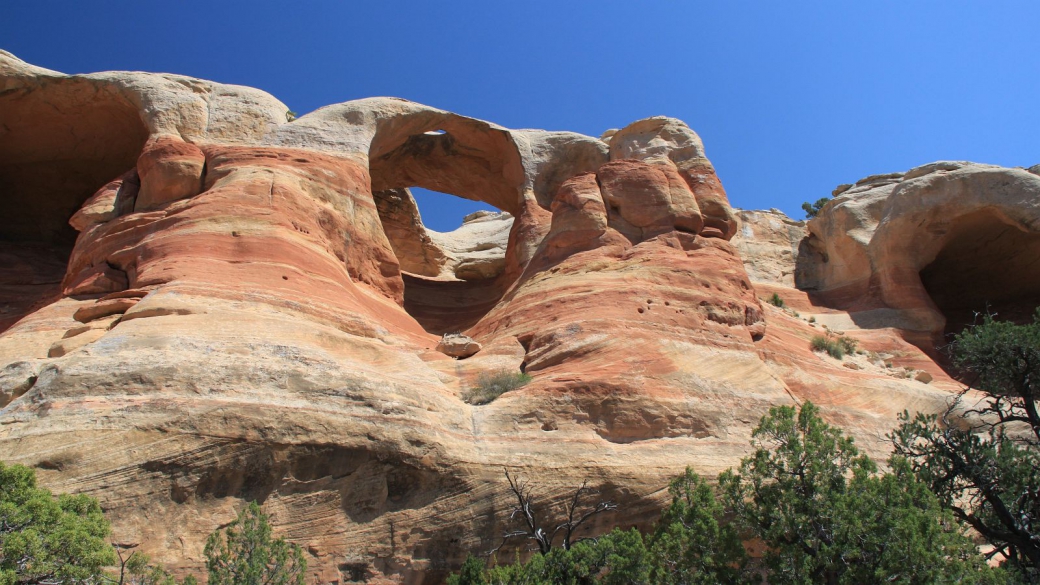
x=926 y=250
x=205 y=304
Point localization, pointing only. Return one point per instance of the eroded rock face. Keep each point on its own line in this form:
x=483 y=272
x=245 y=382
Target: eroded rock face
x=768 y=242
x=476 y=250
x=248 y=313
x=929 y=248
x=411 y=243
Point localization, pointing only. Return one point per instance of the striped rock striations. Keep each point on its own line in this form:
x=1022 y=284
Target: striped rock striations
x=205 y=303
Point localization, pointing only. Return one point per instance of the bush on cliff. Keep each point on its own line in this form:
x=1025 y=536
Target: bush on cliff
x=491 y=386
x=44 y=539
x=813 y=209
x=245 y=553
x=829 y=345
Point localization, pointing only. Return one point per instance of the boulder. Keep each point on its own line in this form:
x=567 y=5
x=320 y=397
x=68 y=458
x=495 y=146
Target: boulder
x=457 y=345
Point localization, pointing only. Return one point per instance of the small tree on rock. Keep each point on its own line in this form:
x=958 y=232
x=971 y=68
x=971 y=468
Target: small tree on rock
x=813 y=209
x=692 y=543
x=245 y=553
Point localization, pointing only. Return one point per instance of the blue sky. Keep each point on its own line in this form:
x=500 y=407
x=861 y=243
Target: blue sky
x=791 y=98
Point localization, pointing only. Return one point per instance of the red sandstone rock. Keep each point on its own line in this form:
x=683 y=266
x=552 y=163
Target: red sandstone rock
x=103 y=309
x=99 y=280
x=711 y=199
x=170 y=170
x=646 y=200
x=264 y=343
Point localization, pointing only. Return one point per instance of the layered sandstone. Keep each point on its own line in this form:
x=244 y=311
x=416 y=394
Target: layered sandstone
x=251 y=310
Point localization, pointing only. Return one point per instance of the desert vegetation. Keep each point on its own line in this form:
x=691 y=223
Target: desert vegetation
x=776 y=301
x=65 y=540
x=822 y=511
x=837 y=346
x=819 y=511
x=813 y=209
x=490 y=386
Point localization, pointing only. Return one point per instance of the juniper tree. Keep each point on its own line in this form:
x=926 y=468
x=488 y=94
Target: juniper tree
x=245 y=553
x=47 y=539
x=982 y=456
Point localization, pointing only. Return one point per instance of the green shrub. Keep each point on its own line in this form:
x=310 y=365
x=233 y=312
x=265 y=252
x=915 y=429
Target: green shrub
x=813 y=209
x=290 y=115
x=491 y=386
x=829 y=345
x=776 y=301
x=48 y=539
x=245 y=553
x=848 y=344
x=825 y=514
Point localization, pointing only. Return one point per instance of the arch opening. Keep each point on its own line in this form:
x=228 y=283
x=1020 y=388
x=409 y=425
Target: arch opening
x=451 y=278
x=986 y=264
x=61 y=142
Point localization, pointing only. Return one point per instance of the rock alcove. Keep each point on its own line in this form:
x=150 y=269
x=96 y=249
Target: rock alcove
x=52 y=159
x=986 y=264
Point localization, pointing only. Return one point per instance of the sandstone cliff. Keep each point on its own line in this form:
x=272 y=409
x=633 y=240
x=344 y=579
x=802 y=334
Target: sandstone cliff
x=205 y=303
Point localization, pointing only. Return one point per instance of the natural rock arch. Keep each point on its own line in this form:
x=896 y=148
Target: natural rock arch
x=448 y=153
x=452 y=154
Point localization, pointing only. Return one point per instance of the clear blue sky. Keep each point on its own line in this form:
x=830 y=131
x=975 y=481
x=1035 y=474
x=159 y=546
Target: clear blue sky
x=791 y=98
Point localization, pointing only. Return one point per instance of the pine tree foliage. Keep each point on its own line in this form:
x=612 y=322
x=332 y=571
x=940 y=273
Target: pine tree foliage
x=825 y=514
x=692 y=543
x=44 y=539
x=245 y=553
x=982 y=457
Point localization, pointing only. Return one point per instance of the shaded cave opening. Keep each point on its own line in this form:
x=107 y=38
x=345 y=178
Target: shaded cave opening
x=451 y=278
x=987 y=265
x=61 y=143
